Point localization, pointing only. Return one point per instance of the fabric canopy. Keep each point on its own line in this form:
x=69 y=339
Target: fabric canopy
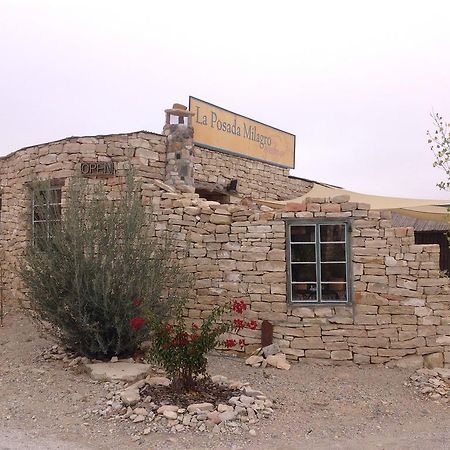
x=436 y=210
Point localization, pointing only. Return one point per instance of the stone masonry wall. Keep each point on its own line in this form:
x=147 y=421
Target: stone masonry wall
x=58 y=160
x=401 y=303
x=256 y=179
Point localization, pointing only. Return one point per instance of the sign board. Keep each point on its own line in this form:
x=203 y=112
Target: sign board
x=219 y=129
x=97 y=168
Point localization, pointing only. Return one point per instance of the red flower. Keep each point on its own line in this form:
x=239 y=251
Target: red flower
x=136 y=323
x=136 y=301
x=252 y=324
x=229 y=343
x=239 y=306
x=181 y=339
x=168 y=328
x=242 y=343
x=239 y=323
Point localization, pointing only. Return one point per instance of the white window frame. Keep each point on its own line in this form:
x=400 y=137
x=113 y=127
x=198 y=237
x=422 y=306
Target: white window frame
x=317 y=223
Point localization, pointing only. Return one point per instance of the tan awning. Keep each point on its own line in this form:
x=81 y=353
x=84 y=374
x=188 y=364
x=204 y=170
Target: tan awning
x=427 y=209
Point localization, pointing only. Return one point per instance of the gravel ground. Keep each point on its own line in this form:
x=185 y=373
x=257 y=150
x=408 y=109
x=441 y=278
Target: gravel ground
x=43 y=406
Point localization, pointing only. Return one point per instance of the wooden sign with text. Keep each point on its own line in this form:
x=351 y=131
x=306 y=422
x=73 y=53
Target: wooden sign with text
x=97 y=169
x=219 y=129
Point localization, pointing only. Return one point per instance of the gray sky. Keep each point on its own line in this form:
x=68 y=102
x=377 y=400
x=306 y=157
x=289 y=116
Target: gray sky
x=355 y=81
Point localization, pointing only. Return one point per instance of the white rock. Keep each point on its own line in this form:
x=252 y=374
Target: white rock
x=219 y=379
x=202 y=407
x=141 y=412
x=172 y=415
x=246 y=400
x=227 y=415
x=157 y=381
x=130 y=396
x=123 y=371
x=139 y=419
x=278 y=361
x=254 y=360
x=164 y=408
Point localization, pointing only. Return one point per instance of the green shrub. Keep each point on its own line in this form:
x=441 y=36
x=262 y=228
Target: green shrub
x=100 y=272
x=181 y=347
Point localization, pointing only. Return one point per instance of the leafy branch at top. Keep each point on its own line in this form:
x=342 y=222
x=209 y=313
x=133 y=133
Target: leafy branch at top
x=439 y=138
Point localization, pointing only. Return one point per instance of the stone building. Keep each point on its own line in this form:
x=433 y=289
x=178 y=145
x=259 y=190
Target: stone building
x=333 y=277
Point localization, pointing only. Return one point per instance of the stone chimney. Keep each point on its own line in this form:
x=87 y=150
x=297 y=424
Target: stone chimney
x=180 y=148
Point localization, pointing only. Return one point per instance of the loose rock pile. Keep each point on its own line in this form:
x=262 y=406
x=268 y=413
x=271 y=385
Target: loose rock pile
x=130 y=403
x=56 y=352
x=270 y=355
x=434 y=383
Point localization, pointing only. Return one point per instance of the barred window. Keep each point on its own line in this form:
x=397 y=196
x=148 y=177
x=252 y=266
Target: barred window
x=318 y=262
x=46 y=212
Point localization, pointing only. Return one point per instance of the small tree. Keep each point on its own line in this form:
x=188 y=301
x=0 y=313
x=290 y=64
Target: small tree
x=97 y=273
x=439 y=139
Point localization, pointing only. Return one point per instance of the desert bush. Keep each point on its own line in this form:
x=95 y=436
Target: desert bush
x=96 y=273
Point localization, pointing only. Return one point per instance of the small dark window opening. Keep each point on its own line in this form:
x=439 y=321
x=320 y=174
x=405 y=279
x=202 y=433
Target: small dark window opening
x=213 y=196
x=436 y=237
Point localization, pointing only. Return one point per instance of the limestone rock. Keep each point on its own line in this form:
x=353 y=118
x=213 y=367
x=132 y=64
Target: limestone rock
x=155 y=381
x=171 y=415
x=433 y=360
x=254 y=360
x=227 y=415
x=164 y=408
x=278 y=361
x=118 y=371
x=200 y=407
x=407 y=362
x=272 y=349
x=130 y=396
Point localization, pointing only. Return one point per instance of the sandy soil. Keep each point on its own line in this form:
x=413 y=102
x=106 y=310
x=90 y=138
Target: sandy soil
x=43 y=406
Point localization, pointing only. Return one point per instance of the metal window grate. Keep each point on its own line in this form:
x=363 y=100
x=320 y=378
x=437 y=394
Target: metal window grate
x=46 y=212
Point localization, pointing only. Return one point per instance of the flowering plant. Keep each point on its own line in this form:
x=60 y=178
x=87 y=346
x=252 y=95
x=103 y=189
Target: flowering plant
x=181 y=346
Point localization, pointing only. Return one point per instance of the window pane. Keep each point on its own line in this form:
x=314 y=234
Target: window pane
x=334 y=292
x=40 y=231
x=55 y=195
x=54 y=212
x=303 y=252
x=52 y=226
x=332 y=252
x=332 y=233
x=333 y=272
x=39 y=213
x=303 y=233
x=304 y=292
x=303 y=272
x=40 y=198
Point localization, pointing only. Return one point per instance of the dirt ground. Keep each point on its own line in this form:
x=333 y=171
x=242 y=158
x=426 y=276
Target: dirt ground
x=43 y=406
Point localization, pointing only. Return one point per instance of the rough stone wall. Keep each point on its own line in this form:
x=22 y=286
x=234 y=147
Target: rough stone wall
x=58 y=160
x=256 y=179
x=401 y=303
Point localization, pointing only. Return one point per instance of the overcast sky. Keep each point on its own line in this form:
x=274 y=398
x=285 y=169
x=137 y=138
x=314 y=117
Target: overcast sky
x=355 y=81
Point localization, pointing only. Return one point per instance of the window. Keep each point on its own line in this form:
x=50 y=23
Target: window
x=318 y=262
x=46 y=212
